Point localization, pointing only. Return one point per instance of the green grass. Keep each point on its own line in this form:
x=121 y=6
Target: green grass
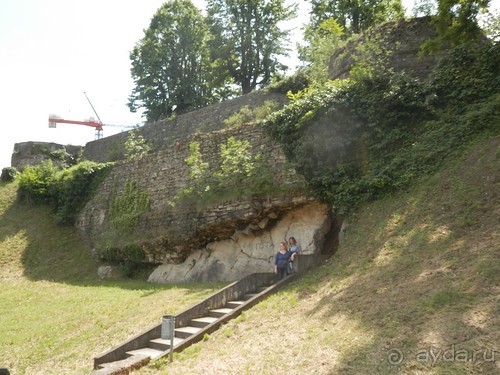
x=416 y=271
x=55 y=313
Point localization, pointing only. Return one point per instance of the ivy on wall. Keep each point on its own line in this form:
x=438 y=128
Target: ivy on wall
x=240 y=172
x=126 y=209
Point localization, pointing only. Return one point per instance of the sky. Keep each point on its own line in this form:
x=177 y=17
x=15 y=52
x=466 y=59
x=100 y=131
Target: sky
x=53 y=51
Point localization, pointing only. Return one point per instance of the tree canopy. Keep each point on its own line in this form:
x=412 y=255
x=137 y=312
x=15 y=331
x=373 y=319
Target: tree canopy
x=170 y=63
x=355 y=16
x=246 y=39
x=456 y=20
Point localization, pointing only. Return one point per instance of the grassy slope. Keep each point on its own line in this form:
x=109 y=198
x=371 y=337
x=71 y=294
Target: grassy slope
x=416 y=272
x=413 y=289
x=55 y=314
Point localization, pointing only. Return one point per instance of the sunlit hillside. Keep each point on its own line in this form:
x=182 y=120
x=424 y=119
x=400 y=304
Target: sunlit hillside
x=413 y=289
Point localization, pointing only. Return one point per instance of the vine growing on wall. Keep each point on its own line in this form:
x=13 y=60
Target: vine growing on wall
x=126 y=209
x=240 y=172
x=136 y=145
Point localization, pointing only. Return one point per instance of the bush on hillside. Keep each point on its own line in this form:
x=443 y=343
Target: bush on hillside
x=66 y=191
x=9 y=174
x=361 y=138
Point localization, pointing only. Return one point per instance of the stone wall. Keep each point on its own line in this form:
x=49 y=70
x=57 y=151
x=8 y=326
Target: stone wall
x=34 y=153
x=397 y=43
x=165 y=133
x=171 y=236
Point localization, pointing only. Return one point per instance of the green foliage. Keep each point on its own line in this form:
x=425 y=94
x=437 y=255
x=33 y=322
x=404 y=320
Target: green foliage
x=423 y=8
x=9 y=174
x=170 y=65
x=237 y=161
x=73 y=187
x=490 y=23
x=243 y=116
x=359 y=139
x=246 y=40
x=66 y=191
x=470 y=73
x=195 y=161
x=240 y=172
x=246 y=115
x=321 y=42
x=126 y=208
x=62 y=158
x=355 y=16
x=130 y=258
x=34 y=183
x=456 y=23
x=136 y=145
x=291 y=84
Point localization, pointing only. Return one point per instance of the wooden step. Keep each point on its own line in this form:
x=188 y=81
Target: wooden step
x=234 y=304
x=218 y=313
x=185 y=332
x=150 y=352
x=162 y=344
x=202 y=322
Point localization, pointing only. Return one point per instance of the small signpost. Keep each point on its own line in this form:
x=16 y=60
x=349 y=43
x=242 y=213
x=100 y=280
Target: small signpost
x=167 y=332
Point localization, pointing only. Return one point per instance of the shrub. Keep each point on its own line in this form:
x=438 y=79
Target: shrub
x=72 y=188
x=358 y=139
x=292 y=84
x=35 y=181
x=9 y=174
x=65 y=191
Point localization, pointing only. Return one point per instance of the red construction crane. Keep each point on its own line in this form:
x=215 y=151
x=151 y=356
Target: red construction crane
x=54 y=120
x=98 y=125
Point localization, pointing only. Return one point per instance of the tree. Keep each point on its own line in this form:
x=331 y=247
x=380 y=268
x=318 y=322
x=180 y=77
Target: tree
x=490 y=23
x=246 y=39
x=424 y=8
x=355 y=16
x=170 y=63
x=456 y=20
x=321 y=42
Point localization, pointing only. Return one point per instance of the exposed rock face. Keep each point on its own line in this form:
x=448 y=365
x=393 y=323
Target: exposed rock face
x=34 y=153
x=246 y=252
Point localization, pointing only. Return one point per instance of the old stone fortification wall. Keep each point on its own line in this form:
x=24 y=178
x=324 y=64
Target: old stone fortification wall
x=397 y=46
x=232 y=237
x=167 y=132
x=169 y=235
x=34 y=153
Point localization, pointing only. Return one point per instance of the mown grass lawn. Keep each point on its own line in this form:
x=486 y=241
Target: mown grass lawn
x=55 y=313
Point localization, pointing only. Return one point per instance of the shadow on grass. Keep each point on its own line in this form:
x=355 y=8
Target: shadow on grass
x=419 y=276
x=47 y=251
